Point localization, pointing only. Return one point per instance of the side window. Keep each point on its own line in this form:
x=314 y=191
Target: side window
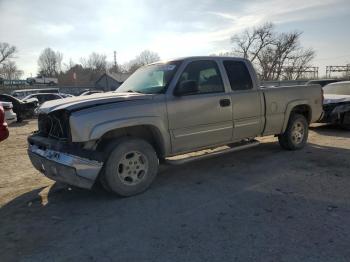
x=238 y=75
x=50 y=97
x=206 y=74
x=40 y=98
x=5 y=99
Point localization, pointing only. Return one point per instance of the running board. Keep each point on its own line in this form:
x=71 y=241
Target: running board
x=183 y=159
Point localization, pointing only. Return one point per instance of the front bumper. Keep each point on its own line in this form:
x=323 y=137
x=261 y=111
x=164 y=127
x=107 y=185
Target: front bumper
x=64 y=167
x=10 y=117
x=337 y=113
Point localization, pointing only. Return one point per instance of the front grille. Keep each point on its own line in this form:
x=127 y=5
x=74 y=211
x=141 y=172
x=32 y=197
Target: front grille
x=54 y=125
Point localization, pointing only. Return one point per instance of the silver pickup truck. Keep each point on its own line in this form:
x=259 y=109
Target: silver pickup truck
x=162 y=111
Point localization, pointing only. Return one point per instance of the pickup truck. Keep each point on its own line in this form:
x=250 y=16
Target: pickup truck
x=162 y=111
x=51 y=81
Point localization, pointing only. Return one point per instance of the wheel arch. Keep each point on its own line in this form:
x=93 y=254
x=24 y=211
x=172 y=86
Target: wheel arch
x=301 y=107
x=147 y=132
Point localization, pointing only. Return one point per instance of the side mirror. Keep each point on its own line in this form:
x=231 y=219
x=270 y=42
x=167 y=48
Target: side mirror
x=188 y=87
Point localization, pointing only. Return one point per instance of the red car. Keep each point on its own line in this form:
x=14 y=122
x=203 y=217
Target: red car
x=4 y=132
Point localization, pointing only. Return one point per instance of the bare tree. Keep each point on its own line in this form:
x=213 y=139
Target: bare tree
x=50 y=62
x=144 y=58
x=147 y=57
x=275 y=55
x=7 y=51
x=10 y=71
x=251 y=42
x=95 y=62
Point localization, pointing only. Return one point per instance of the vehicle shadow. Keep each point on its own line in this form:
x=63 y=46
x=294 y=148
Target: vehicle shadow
x=331 y=130
x=230 y=191
x=19 y=124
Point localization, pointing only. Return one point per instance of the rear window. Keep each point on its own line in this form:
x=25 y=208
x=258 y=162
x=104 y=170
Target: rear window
x=238 y=75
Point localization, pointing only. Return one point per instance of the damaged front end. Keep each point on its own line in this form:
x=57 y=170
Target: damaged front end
x=52 y=153
x=337 y=113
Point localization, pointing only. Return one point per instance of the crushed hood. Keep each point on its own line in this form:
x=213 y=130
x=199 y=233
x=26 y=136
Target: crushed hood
x=81 y=102
x=333 y=99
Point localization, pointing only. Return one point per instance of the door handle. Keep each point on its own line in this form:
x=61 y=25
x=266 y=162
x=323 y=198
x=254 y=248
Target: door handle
x=225 y=102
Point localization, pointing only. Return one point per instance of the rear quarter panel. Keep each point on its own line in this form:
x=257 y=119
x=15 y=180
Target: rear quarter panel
x=280 y=101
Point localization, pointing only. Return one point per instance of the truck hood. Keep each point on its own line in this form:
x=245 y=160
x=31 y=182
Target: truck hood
x=333 y=99
x=83 y=102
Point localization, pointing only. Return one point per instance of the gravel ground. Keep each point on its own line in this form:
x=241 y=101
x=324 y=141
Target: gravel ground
x=261 y=204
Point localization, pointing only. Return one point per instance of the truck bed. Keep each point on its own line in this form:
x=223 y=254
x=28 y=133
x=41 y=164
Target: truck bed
x=278 y=100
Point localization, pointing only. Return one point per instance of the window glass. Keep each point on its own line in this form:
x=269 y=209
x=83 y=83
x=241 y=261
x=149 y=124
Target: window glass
x=5 y=99
x=206 y=74
x=151 y=79
x=238 y=75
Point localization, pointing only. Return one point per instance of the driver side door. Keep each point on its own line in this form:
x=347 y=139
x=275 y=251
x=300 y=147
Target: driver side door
x=202 y=118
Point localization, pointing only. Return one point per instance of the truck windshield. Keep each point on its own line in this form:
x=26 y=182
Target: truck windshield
x=151 y=79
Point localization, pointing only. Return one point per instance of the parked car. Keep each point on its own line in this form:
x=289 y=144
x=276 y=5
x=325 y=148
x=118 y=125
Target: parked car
x=20 y=94
x=42 y=80
x=90 y=92
x=164 y=110
x=322 y=82
x=43 y=97
x=4 y=132
x=10 y=116
x=22 y=109
x=336 y=105
x=66 y=95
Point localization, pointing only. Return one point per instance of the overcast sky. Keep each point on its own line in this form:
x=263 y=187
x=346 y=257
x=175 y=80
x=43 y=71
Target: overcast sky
x=172 y=28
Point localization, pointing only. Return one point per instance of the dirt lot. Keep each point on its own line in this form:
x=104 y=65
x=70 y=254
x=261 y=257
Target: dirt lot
x=262 y=204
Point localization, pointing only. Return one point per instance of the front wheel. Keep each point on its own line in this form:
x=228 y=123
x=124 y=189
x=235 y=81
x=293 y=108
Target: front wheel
x=131 y=167
x=296 y=134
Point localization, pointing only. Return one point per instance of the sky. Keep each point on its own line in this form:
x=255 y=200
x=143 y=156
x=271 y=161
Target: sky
x=171 y=28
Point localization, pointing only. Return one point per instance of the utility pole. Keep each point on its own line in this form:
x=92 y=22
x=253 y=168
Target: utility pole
x=115 y=59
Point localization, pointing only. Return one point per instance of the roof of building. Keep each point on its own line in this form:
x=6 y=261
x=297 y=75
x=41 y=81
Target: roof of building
x=119 y=77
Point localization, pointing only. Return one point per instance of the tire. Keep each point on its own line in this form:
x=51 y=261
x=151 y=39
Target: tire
x=130 y=168
x=19 y=118
x=103 y=182
x=296 y=134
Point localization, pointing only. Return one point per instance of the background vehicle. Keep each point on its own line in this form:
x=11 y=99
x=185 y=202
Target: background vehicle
x=10 y=116
x=20 y=94
x=22 y=109
x=339 y=88
x=322 y=82
x=4 y=132
x=66 y=95
x=336 y=105
x=90 y=92
x=164 y=110
x=42 y=80
x=43 y=97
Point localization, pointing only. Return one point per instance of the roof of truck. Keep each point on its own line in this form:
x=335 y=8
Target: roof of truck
x=199 y=58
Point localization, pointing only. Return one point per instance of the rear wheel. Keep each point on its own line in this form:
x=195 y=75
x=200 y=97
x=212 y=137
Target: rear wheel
x=131 y=167
x=296 y=134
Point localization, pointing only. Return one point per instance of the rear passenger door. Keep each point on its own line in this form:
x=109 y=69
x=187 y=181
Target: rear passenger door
x=247 y=103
